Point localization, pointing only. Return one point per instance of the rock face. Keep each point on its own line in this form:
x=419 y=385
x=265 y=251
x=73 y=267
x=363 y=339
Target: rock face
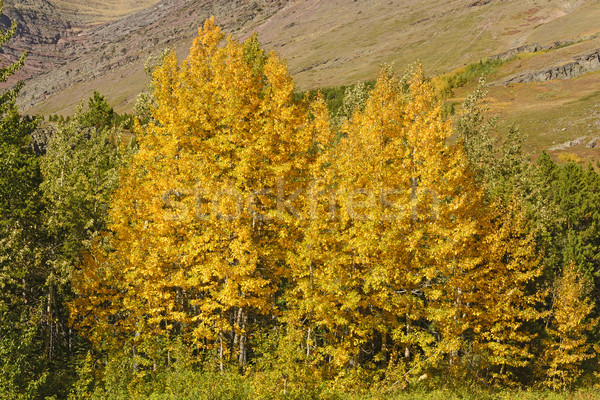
x=592 y=143
x=41 y=31
x=40 y=139
x=38 y=22
x=588 y=63
x=528 y=48
x=572 y=143
x=585 y=63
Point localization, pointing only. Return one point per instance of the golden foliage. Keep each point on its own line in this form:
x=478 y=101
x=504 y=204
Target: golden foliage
x=506 y=299
x=571 y=323
x=193 y=251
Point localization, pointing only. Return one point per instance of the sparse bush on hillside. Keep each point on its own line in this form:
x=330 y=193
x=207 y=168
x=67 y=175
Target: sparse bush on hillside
x=446 y=83
x=567 y=157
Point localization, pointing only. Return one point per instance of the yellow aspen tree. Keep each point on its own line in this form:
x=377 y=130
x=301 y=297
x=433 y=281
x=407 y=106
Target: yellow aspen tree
x=293 y=367
x=315 y=242
x=196 y=239
x=505 y=298
x=395 y=216
x=105 y=289
x=568 y=345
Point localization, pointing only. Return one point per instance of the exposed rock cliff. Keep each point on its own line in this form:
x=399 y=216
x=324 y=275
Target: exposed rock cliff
x=41 y=31
x=587 y=63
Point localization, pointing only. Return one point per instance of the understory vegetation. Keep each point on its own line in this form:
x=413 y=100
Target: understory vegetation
x=250 y=242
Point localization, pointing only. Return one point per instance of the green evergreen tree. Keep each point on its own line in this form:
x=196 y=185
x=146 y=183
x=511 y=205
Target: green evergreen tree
x=80 y=171
x=99 y=115
x=21 y=274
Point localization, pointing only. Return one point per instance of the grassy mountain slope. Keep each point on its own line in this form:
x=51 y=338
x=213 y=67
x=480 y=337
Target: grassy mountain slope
x=329 y=43
x=110 y=57
x=343 y=41
x=558 y=115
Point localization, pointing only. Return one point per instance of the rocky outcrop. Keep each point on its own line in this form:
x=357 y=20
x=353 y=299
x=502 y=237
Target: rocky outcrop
x=587 y=63
x=38 y=22
x=593 y=143
x=40 y=139
x=478 y=3
x=528 y=48
x=42 y=32
x=569 y=144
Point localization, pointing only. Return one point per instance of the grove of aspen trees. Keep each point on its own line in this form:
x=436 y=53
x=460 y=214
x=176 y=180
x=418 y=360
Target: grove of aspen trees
x=242 y=240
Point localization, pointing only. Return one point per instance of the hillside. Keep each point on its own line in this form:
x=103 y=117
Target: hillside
x=76 y=47
x=553 y=97
x=100 y=11
x=80 y=56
